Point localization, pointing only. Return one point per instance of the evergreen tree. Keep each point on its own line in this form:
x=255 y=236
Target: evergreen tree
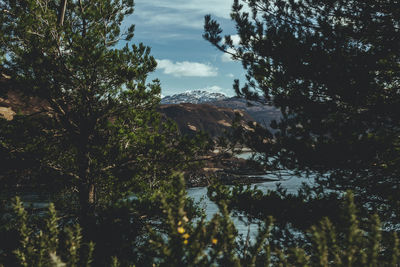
x=332 y=67
x=100 y=135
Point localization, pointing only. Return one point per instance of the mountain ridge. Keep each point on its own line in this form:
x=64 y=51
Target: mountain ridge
x=193 y=97
x=260 y=112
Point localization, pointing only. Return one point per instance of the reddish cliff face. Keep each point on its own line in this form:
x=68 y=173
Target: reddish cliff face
x=192 y=118
x=12 y=102
x=261 y=113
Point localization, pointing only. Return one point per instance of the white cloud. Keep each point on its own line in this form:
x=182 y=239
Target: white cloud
x=186 y=68
x=182 y=13
x=211 y=89
x=214 y=88
x=166 y=17
x=235 y=39
x=230 y=75
x=220 y=8
x=227 y=57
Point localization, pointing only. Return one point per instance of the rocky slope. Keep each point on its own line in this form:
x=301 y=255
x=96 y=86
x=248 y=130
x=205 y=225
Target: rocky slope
x=192 y=118
x=261 y=113
x=13 y=102
x=211 y=112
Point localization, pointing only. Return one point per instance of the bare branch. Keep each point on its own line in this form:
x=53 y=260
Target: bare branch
x=61 y=171
x=62 y=13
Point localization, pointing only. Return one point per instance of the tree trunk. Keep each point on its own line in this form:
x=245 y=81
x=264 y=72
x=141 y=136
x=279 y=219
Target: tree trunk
x=87 y=193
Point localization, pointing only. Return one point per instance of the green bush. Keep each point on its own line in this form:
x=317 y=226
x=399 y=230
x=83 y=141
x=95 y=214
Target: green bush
x=42 y=241
x=178 y=238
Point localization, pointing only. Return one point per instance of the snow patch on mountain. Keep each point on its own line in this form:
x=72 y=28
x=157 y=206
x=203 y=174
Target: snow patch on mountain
x=194 y=97
x=260 y=111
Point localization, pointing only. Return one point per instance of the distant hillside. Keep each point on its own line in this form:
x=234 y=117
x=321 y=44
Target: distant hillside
x=12 y=101
x=261 y=113
x=192 y=118
x=215 y=117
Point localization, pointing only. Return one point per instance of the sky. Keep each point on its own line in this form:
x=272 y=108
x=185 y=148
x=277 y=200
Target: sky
x=173 y=29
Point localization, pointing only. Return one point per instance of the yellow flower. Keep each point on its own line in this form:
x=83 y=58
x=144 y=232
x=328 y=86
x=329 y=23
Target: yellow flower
x=185 y=241
x=179 y=223
x=181 y=230
x=186 y=236
x=214 y=241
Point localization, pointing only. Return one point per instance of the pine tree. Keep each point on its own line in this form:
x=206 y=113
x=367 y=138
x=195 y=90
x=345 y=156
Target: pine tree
x=332 y=68
x=100 y=135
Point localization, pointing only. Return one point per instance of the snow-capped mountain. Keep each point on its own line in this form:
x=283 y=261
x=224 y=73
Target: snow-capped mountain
x=194 y=97
x=261 y=113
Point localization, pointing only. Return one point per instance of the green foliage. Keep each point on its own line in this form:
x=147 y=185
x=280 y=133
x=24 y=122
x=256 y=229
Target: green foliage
x=97 y=144
x=98 y=103
x=301 y=210
x=46 y=243
x=99 y=138
x=188 y=242
x=178 y=239
x=331 y=68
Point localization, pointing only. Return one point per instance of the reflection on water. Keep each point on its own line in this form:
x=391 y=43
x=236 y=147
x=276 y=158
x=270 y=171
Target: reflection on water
x=245 y=155
x=200 y=194
x=30 y=199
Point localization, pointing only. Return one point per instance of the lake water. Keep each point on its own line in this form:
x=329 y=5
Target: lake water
x=199 y=194
x=290 y=184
